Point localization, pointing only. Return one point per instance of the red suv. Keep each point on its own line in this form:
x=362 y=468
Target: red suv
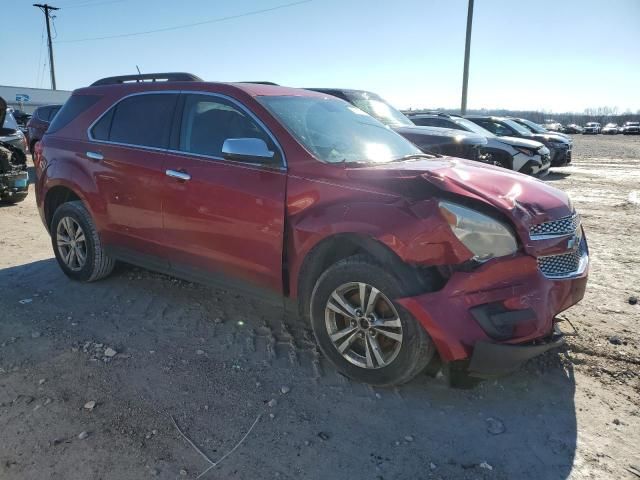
x=398 y=259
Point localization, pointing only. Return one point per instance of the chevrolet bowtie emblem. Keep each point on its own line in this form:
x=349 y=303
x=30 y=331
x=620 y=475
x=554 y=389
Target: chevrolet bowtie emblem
x=573 y=242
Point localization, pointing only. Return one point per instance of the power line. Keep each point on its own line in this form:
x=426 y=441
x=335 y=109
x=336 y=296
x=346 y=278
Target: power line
x=188 y=25
x=39 y=57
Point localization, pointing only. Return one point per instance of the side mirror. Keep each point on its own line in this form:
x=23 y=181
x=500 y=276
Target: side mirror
x=247 y=150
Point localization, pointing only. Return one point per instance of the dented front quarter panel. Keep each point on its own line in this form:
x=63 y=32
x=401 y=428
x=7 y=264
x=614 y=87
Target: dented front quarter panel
x=320 y=208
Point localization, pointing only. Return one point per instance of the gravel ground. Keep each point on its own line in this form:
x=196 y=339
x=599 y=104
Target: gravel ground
x=148 y=349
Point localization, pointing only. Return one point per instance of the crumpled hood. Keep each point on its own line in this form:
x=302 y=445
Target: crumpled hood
x=524 y=199
x=550 y=137
x=458 y=136
x=519 y=142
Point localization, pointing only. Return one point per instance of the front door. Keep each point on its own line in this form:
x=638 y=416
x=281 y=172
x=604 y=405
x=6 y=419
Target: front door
x=223 y=219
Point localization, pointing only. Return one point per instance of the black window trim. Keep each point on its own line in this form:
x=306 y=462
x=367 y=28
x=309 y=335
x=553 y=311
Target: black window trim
x=176 y=117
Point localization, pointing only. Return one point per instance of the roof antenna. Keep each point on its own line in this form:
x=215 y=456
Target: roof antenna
x=139 y=73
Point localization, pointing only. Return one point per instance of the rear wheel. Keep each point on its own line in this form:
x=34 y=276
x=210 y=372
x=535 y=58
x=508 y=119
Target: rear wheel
x=77 y=245
x=361 y=330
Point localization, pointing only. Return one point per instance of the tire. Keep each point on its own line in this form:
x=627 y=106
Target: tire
x=403 y=360
x=97 y=264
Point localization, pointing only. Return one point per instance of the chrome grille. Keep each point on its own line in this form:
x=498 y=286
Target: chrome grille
x=566 y=264
x=564 y=226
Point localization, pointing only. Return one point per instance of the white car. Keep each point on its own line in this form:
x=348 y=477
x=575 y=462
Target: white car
x=592 y=128
x=611 y=129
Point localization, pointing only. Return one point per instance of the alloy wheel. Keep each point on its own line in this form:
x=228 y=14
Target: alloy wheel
x=72 y=244
x=363 y=325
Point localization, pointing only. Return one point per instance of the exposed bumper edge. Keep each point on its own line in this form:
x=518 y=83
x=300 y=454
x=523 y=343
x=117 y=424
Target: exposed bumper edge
x=493 y=360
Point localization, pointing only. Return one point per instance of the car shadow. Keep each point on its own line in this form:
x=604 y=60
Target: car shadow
x=232 y=354
x=553 y=176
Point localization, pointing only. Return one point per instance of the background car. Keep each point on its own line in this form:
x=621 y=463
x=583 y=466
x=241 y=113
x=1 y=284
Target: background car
x=559 y=145
x=573 y=128
x=631 y=128
x=14 y=179
x=553 y=126
x=39 y=123
x=430 y=140
x=611 y=129
x=517 y=154
x=593 y=128
x=11 y=132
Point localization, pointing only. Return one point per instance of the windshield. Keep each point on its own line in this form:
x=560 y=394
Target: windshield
x=525 y=132
x=534 y=127
x=379 y=109
x=472 y=127
x=335 y=131
x=10 y=122
x=611 y=125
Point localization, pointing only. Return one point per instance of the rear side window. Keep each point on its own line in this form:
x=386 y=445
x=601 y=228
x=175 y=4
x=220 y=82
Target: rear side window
x=143 y=120
x=70 y=110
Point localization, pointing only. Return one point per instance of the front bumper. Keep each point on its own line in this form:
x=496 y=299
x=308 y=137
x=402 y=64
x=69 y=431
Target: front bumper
x=521 y=304
x=14 y=186
x=493 y=359
x=561 y=156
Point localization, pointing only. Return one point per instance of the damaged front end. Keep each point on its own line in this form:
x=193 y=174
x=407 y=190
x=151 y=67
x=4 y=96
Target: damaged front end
x=14 y=178
x=526 y=261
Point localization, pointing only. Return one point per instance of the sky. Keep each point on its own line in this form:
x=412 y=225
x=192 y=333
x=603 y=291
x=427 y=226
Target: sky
x=552 y=55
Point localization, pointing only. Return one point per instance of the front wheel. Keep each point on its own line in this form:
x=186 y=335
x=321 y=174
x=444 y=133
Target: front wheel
x=77 y=245
x=359 y=328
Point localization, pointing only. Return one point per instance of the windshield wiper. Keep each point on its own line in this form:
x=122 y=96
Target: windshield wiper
x=415 y=156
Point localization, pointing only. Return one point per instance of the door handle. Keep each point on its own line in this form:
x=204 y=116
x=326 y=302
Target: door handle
x=95 y=156
x=184 y=176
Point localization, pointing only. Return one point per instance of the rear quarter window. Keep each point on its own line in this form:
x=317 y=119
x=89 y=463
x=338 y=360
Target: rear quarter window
x=73 y=107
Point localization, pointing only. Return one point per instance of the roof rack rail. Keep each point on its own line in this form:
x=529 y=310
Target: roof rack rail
x=260 y=82
x=148 y=77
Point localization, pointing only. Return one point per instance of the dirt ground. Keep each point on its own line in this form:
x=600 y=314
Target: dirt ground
x=215 y=362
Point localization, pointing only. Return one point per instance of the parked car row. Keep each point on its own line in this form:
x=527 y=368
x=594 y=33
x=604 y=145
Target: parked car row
x=595 y=128
x=400 y=260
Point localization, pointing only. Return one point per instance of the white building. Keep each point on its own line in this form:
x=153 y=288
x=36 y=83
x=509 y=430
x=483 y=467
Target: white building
x=28 y=99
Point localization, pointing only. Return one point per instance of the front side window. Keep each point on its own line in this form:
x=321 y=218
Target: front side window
x=207 y=121
x=335 y=131
x=143 y=120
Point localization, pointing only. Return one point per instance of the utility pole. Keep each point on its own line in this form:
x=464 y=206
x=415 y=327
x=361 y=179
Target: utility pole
x=47 y=16
x=467 y=48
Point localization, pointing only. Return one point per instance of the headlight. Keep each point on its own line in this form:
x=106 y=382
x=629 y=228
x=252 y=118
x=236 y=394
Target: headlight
x=527 y=151
x=485 y=237
x=559 y=144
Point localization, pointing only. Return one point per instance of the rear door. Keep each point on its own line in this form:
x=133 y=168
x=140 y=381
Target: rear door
x=129 y=147
x=226 y=221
